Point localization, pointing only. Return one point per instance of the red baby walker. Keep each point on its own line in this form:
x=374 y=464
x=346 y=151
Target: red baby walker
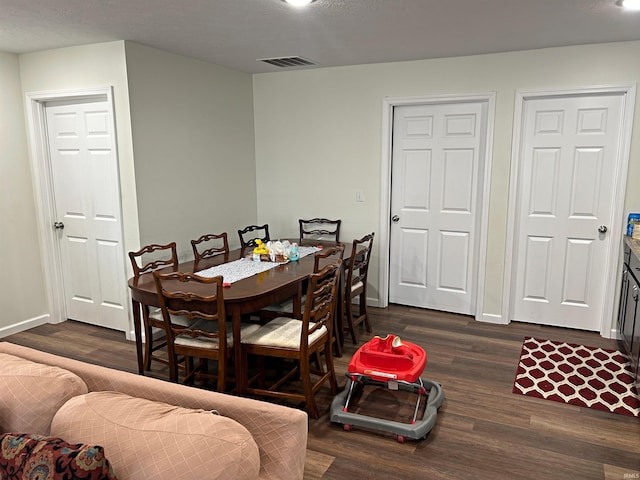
x=395 y=365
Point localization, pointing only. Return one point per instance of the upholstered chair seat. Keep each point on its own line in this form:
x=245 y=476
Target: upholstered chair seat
x=282 y=332
x=212 y=342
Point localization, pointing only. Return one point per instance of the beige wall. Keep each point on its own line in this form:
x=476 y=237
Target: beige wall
x=193 y=142
x=318 y=133
x=22 y=293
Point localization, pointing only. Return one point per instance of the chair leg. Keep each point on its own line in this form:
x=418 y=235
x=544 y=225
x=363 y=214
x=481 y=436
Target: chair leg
x=148 y=345
x=173 y=367
x=328 y=358
x=349 y=326
x=305 y=373
x=222 y=372
x=363 y=311
x=190 y=374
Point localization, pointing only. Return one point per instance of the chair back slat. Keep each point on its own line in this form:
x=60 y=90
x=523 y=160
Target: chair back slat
x=319 y=229
x=154 y=257
x=320 y=302
x=194 y=297
x=327 y=255
x=208 y=246
x=359 y=261
x=250 y=234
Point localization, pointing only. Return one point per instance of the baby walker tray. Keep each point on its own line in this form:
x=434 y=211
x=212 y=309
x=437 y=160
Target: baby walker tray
x=395 y=365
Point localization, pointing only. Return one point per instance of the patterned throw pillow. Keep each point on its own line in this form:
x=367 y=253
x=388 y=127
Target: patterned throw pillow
x=36 y=457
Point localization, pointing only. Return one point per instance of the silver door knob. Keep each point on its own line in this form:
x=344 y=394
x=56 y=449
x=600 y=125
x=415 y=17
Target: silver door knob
x=395 y=219
x=58 y=225
x=602 y=229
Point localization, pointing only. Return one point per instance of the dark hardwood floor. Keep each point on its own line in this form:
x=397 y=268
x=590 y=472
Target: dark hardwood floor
x=483 y=431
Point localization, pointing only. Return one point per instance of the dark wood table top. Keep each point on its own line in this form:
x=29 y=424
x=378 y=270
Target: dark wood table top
x=260 y=285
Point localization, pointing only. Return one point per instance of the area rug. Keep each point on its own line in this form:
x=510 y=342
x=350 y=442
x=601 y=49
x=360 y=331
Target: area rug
x=579 y=375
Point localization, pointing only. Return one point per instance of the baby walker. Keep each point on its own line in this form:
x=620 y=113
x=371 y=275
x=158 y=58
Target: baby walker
x=390 y=363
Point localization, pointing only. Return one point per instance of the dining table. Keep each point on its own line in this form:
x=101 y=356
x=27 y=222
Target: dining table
x=245 y=296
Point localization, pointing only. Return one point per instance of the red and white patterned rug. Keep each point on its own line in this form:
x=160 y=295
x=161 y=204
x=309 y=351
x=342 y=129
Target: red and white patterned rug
x=569 y=373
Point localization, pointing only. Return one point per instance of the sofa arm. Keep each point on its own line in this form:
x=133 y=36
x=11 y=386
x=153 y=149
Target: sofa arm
x=280 y=432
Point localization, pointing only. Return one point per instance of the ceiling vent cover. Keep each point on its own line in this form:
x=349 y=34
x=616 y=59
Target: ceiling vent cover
x=284 y=62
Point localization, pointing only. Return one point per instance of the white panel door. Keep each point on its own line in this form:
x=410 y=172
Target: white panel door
x=87 y=202
x=435 y=165
x=568 y=162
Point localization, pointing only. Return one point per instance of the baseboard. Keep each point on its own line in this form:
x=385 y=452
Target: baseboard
x=24 y=325
x=373 y=302
x=491 y=318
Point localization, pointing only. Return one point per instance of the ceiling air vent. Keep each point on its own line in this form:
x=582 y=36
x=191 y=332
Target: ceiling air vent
x=284 y=62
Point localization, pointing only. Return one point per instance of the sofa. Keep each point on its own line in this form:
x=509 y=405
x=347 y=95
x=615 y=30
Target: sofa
x=145 y=428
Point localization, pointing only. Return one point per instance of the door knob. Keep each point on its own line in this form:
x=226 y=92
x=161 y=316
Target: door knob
x=602 y=229
x=395 y=219
x=58 y=225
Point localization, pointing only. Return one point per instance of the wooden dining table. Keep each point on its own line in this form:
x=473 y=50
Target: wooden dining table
x=244 y=297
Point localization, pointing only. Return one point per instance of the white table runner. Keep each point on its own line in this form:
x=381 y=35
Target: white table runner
x=239 y=269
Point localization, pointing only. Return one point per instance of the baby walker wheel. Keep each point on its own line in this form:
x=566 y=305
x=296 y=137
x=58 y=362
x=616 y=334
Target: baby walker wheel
x=346 y=427
x=400 y=438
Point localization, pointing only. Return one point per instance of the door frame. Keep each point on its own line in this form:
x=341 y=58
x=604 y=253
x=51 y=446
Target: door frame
x=628 y=91
x=42 y=179
x=484 y=184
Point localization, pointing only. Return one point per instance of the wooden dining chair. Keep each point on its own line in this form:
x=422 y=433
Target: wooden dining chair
x=146 y=260
x=249 y=234
x=320 y=229
x=322 y=258
x=209 y=246
x=209 y=337
x=299 y=341
x=356 y=285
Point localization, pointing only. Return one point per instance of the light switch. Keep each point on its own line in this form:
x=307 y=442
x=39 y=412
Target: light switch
x=359 y=196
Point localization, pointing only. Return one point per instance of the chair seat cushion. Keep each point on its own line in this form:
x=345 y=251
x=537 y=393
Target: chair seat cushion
x=212 y=327
x=156 y=314
x=151 y=440
x=281 y=332
x=31 y=393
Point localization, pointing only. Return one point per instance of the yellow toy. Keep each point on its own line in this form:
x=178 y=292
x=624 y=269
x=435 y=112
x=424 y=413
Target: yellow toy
x=261 y=248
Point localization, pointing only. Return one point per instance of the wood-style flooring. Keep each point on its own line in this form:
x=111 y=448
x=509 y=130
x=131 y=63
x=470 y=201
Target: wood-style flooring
x=483 y=430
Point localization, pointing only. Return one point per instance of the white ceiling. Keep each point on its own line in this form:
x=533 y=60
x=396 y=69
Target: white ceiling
x=236 y=33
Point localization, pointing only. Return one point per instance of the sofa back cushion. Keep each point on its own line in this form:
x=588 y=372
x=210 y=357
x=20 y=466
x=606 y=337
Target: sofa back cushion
x=154 y=440
x=31 y=393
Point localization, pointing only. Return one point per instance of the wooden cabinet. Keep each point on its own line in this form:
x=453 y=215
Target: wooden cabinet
x=629 y=312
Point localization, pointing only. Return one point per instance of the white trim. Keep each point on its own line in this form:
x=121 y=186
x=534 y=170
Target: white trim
x=43 y=191
x=24 y=325
x=628 y=91
x=388 y=105
x=492 y=318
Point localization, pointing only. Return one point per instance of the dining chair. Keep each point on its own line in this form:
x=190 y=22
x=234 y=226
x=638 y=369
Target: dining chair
x=209 y=337
x=356 y=285
x=322 y=258
x=320 y=229
x=249 y=234
x=299 y=341
x=209 y=246
x=146 y=260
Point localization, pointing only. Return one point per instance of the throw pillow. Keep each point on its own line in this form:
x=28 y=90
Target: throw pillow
x=31 y=393
x=158 y=441
x=37 y=457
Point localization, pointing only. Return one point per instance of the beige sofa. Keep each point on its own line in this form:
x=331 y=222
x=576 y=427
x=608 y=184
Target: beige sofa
x=150 y=429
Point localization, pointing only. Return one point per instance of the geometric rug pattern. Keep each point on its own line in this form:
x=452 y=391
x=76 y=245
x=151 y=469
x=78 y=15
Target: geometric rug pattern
x=579 y=375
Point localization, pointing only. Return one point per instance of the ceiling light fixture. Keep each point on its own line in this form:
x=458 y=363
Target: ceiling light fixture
x=629 y=4
x=298 y=3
